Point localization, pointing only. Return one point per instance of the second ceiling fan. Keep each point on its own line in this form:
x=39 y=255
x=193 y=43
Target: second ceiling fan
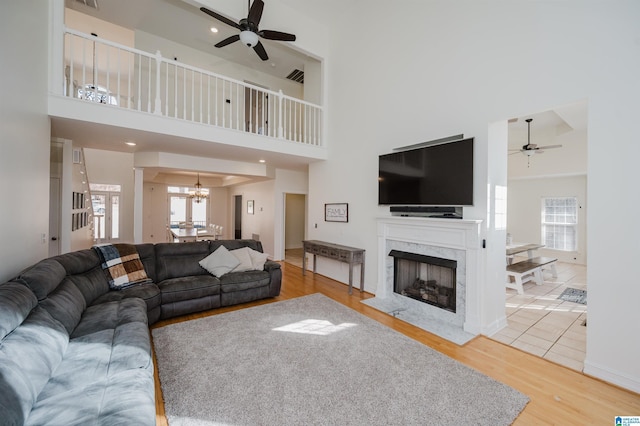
x=530 y=148
x=249 y=31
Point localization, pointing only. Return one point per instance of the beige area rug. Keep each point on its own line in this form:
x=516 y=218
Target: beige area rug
x=313 y=361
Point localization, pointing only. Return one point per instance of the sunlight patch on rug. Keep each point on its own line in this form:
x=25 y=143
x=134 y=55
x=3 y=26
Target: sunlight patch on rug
x=313 y=326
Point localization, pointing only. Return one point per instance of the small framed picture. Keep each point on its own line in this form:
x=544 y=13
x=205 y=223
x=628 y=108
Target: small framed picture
x=336 y=212
x=250 y=207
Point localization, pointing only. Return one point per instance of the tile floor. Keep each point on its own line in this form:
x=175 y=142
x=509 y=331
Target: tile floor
x=542 y=324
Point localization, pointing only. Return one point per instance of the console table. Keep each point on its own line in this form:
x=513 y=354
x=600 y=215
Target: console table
x=351 y=255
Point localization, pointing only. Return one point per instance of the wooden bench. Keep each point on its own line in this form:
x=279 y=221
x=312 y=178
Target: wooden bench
x=529 y=270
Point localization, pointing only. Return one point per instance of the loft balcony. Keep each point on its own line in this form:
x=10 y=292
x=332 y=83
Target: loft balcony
x=104 y=86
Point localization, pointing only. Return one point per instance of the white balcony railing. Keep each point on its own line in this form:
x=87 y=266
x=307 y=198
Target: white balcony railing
x=105 y=72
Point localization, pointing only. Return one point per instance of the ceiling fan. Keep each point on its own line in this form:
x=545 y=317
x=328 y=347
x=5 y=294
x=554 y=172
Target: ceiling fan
x=249 y=32
x=530 y=148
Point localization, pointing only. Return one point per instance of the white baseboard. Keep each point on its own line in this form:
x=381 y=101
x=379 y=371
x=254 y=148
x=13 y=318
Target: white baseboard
x=495 y=326
x=612 y=376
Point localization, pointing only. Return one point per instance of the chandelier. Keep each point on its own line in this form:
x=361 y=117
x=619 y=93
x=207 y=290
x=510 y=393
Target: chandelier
x=200 y=193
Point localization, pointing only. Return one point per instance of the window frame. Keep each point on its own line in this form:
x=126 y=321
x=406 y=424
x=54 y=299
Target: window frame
x=566 y=224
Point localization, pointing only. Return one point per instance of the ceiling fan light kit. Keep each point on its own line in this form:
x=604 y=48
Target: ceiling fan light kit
x=249 y=38
x=250 y=34
x=531 y=149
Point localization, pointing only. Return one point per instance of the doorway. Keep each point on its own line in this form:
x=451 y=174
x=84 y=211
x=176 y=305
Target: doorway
x=106 y=216
x=54 y=216
x=256 y=111
x=294 y=227
x=237 y=217
x=546 y=204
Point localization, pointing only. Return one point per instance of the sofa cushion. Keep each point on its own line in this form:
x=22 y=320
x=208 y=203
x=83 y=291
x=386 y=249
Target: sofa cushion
x=125 y=398
x=180 y=260
x=16 y=301
x=185 y=288
x=148 y=292
x=236 y=244
x=65 y=304
x=78 y=262
x=28 y=357
x=43 y=277
x=258 y=259
x=238 y=281
x=220 y=262
x=243 y=256
x=122 y=266
x=111 y=341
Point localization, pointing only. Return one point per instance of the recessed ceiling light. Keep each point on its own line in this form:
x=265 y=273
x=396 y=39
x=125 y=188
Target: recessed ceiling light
x=214 y=30
x=263 y=161
x=131 y=143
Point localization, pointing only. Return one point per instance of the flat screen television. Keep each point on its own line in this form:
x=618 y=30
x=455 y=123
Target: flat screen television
x=434 y=175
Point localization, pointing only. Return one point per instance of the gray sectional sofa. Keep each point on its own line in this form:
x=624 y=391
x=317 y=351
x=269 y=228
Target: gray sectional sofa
x=75 y=352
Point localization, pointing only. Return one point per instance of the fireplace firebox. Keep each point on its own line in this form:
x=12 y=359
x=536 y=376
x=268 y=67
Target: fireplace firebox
x=424 y=278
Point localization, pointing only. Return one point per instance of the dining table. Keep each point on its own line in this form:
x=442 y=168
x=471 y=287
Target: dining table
x=185 y=235
x=517 y=248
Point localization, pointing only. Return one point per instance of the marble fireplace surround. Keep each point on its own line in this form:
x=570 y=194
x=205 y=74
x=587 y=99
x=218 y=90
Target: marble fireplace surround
x=453 y=239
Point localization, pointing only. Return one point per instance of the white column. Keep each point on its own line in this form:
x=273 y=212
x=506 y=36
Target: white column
x=137 y=204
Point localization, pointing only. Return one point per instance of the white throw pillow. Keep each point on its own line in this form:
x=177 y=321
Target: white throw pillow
x=219 y=262
x=258 y=259
x=244 y=259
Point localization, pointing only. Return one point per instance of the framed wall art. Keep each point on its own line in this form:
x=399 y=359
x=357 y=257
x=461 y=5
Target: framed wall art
x=336 y=212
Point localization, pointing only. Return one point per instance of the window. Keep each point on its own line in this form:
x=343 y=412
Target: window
x=560 y=223
x=184 y=209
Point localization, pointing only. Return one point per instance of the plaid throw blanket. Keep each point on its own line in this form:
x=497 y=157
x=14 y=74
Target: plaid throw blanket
x=122 y=265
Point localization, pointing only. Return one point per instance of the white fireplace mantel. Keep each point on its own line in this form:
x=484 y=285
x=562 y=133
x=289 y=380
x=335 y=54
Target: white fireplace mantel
x=448 y=235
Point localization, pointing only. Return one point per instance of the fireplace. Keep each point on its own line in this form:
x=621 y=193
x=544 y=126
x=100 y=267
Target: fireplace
x=455 y=240
x=426 y=279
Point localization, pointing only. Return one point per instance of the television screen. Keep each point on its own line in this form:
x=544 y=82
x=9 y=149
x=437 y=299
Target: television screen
x=436 y=175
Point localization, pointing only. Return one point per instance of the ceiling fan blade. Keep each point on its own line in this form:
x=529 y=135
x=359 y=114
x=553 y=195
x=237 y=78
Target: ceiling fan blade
x=550 y=146
x=276 y=35
x=220 y=18
x=255 y=13
x=259 y=48
x=228 y=40
x=517 y=152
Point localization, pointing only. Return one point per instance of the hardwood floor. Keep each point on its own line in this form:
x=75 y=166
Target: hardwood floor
x=558 y=394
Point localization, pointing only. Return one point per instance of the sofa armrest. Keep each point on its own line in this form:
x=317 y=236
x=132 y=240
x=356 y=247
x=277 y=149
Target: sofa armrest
x=275 y=275
x=270 y=265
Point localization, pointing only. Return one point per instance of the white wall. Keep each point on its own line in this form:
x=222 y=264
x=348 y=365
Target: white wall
x=262 y=220
x=462 y=67
x=24 y=142
x=524 y=206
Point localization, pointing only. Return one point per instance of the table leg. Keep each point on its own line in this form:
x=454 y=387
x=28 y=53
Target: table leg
x=350 y=278
x=362 y=275
x=304 y=262
x=314 y=263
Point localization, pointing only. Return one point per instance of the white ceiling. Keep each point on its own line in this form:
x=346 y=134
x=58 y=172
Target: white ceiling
x=556 y=121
